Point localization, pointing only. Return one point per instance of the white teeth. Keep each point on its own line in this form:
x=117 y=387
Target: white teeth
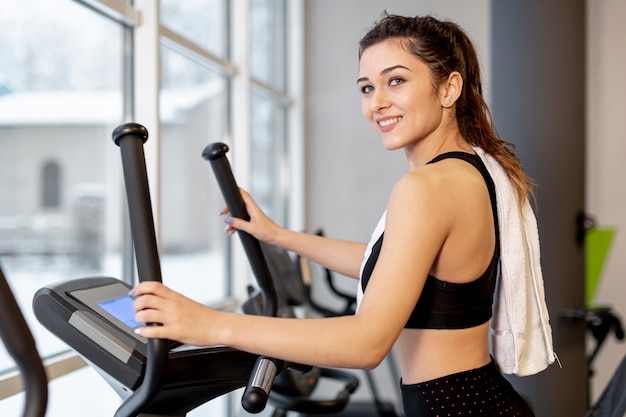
x=389 y=121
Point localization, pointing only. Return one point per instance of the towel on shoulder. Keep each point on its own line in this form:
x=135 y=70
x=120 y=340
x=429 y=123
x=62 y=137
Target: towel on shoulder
x=521 y=336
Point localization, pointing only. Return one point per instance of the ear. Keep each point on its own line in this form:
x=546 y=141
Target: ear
x=451 y=89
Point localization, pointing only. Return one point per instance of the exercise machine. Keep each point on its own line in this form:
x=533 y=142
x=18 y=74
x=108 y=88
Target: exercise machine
x=94 y=316
x=21 y=346
x=293 y=388
x=293 y=283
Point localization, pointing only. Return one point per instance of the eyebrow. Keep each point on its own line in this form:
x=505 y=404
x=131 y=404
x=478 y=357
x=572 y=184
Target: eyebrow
x=383 y=72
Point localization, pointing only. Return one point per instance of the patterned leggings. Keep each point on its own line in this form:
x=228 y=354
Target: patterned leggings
x=481 y=392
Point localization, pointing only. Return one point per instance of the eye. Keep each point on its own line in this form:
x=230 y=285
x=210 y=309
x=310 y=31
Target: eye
x=366 y=89
x=395 y=81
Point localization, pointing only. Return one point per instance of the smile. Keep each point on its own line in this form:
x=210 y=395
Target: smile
x=389 y=122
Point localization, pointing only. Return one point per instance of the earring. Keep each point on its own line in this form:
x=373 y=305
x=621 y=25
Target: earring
x=447 y=102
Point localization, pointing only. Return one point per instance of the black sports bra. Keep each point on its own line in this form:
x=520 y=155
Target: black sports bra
x=446 y=305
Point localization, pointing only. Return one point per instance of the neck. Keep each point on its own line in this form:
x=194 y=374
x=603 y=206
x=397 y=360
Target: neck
x=421 y=153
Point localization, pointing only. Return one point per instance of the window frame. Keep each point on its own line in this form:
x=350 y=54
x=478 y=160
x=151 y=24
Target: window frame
x=143 y=37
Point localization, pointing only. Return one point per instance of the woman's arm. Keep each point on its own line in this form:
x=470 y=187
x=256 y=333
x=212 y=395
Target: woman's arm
x=358 y=341
x=342 y=256
x=338 y=342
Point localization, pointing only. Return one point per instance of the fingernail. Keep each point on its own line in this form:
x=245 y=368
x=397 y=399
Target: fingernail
x=228 y=220
x=132 y=292
x=137 y=331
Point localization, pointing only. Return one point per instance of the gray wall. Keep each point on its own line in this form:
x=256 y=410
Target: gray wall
x=349 y=173
x=606 y=147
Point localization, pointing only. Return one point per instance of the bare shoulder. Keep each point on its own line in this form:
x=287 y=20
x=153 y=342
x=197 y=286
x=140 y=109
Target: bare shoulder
x=438 y=192
x=443 y=179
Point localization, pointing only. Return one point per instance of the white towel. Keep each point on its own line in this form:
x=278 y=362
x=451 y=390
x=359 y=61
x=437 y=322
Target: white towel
x=521 y=336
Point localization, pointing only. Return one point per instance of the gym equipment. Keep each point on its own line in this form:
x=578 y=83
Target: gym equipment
x=20 y=344
x=95 y=317
x=600 y=322
x=293 y=387
x=612 y=401
x=293 y=284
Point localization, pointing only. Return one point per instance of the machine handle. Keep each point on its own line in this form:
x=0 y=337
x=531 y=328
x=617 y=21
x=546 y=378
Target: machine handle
x=130 y=137
x=20 y=344
x=259 y=385
x=262 y=377
x=215 y=153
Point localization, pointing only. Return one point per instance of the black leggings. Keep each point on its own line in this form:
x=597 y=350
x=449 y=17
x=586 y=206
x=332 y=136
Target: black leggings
x=481 y=392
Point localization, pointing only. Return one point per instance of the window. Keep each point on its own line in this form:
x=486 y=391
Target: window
x=64 y=88
x=203 y=22
x=269 y=106
x=60 y=196
x=194 y=113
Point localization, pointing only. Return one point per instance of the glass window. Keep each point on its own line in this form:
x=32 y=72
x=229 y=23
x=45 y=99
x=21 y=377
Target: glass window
x=269 y=165
x=204 y=22
x=64 y=87
x=194 y=113
x=59 y=195
x=268 y=42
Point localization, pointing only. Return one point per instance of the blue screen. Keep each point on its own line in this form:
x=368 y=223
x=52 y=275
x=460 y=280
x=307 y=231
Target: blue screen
x=122 y=309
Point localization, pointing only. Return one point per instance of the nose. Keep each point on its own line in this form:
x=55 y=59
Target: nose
x=379 y=100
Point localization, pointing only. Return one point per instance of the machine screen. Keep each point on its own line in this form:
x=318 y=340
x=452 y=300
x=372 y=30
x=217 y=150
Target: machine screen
x=113 y=303
x=122 y=309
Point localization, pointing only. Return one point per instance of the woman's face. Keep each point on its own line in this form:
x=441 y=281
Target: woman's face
x=398 y=97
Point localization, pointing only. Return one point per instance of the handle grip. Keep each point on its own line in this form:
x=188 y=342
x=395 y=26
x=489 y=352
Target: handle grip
x=215 y=153
x=259 y=385
x=262 y=377
x=130 y=137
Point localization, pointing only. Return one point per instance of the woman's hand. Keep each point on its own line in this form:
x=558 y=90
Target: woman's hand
x=179 y=317
x=260 y=226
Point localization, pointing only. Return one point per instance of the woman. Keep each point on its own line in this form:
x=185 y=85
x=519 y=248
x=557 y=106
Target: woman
x=429 y=270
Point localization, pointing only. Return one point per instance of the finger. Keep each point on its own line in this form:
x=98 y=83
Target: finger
x=146 y=287
x=149 y=316
x=152 y=332
x=234 y=223
x=144 y=302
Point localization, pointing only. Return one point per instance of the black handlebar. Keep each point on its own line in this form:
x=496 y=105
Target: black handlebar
x=130 y=137
x=260 y=382
x=138 y=198
x=20 y=344
x=215 y=153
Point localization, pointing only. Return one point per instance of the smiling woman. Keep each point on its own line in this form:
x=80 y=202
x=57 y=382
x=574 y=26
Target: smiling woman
x=428 y=275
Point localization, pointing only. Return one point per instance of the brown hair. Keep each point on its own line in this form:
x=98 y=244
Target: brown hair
x=445 y=48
